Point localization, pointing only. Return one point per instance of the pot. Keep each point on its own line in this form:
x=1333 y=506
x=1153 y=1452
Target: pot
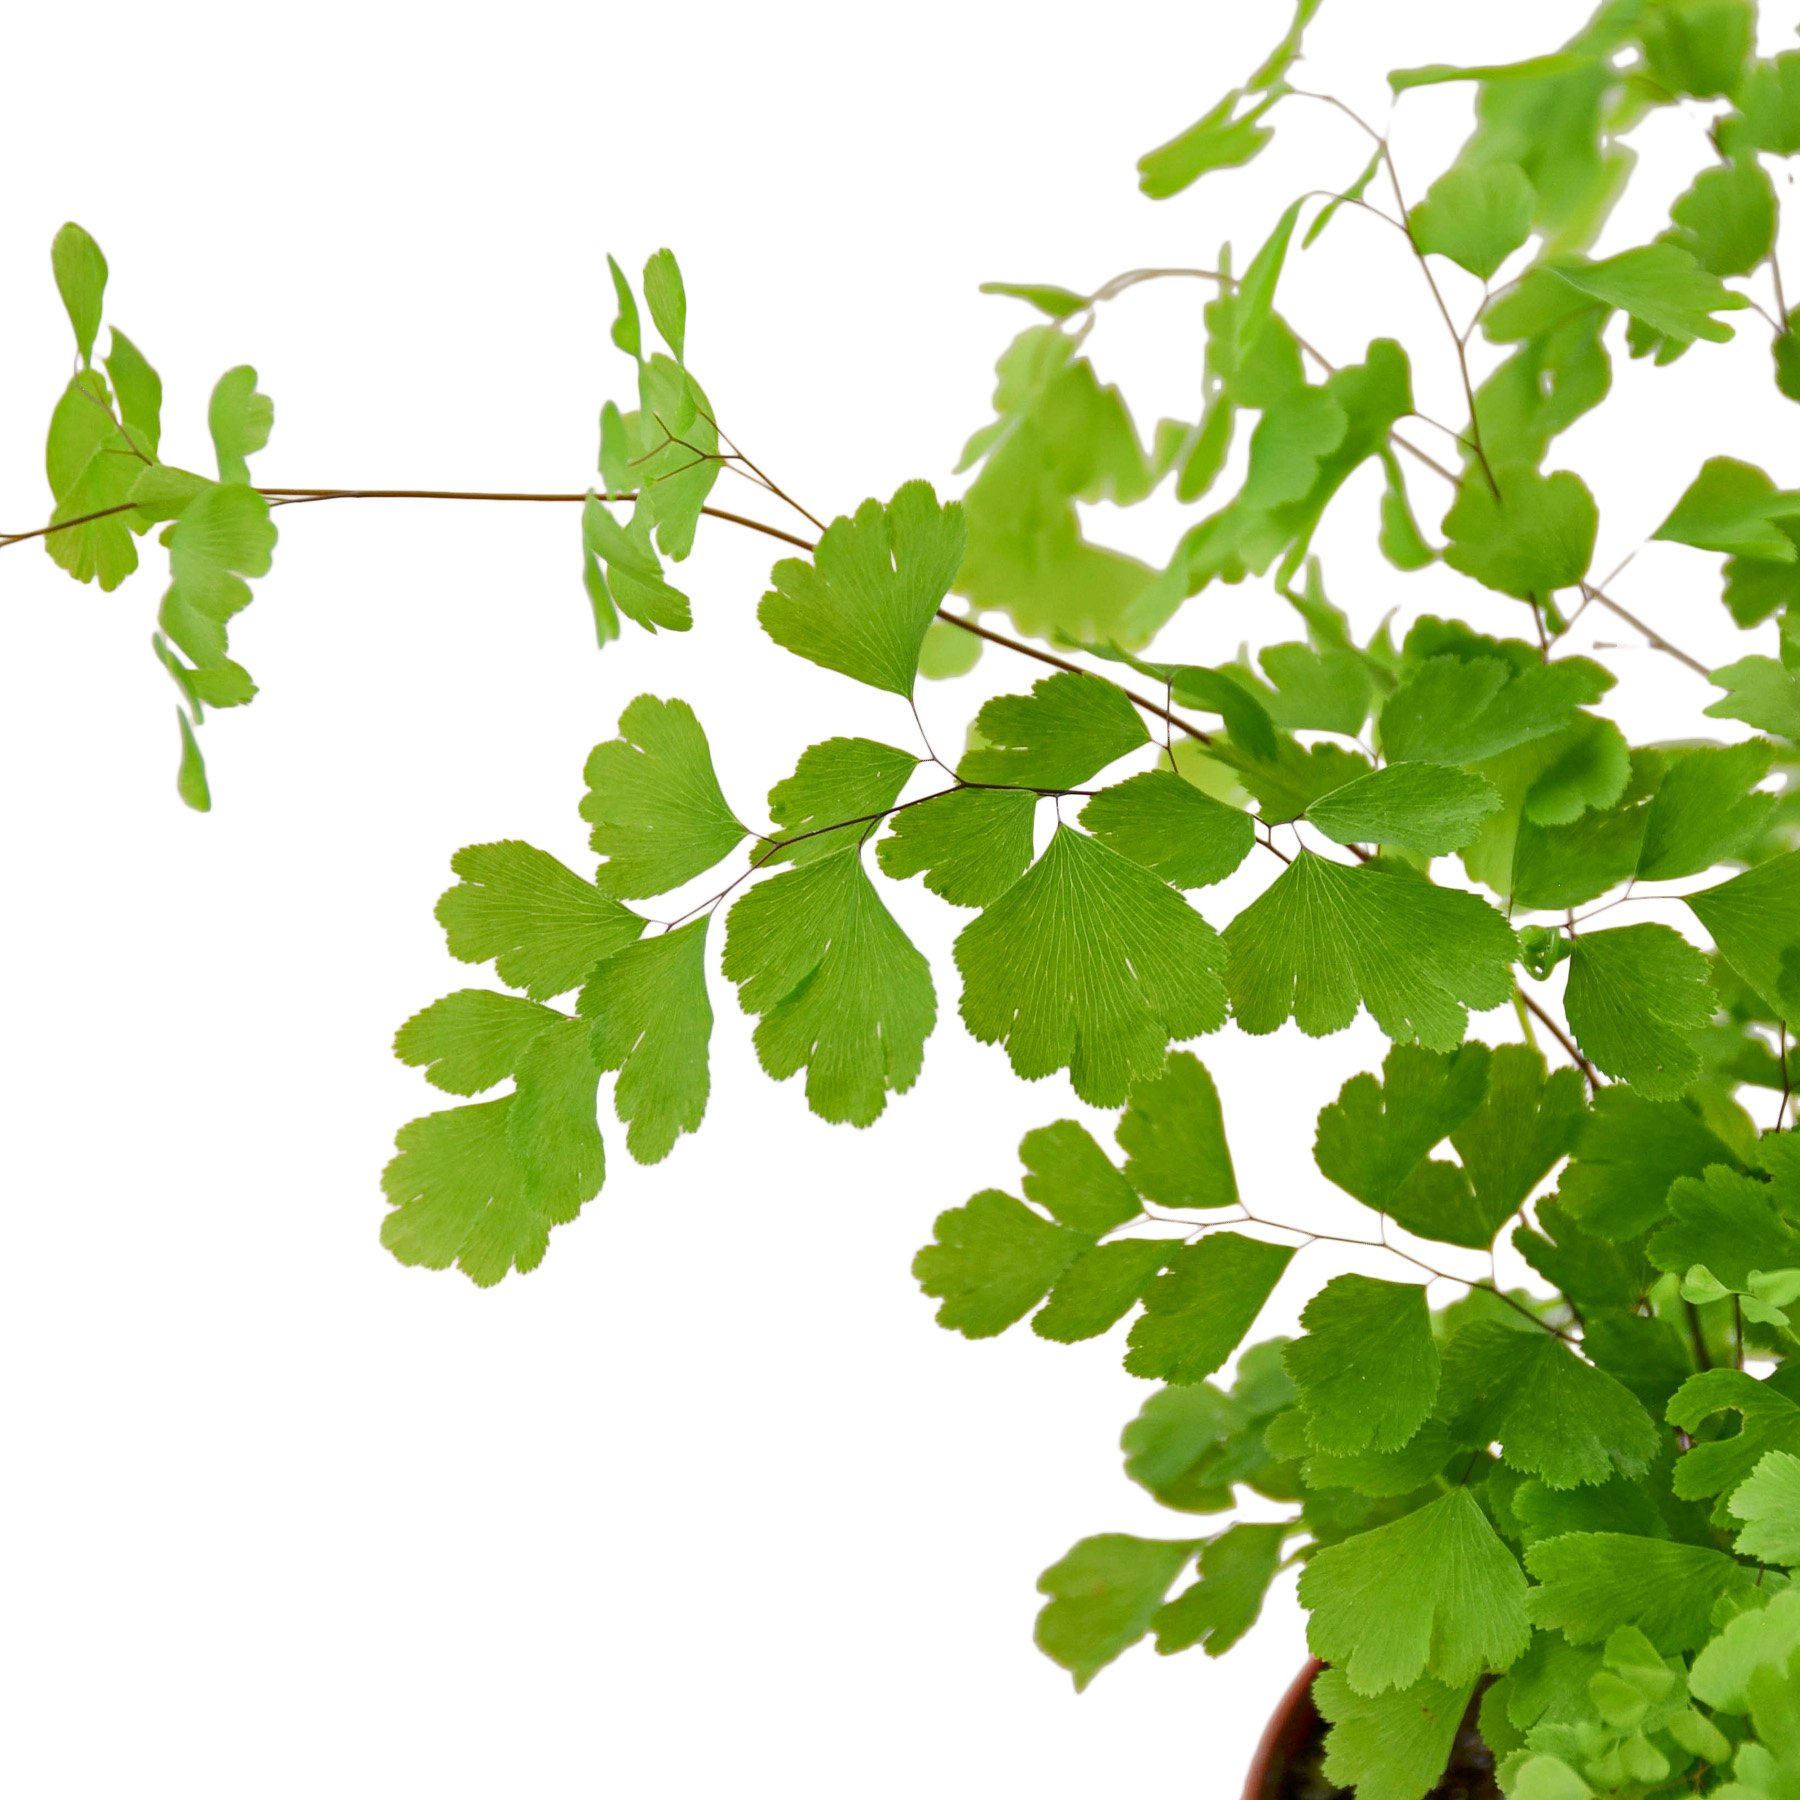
x=1295 y=1720
x=1295 y=1726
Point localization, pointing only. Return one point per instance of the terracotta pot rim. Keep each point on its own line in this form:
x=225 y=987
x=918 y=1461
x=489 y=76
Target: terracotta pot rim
x=1294 y=1716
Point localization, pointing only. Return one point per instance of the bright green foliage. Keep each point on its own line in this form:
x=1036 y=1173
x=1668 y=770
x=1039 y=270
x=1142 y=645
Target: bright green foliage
x=481 y=1186
x=1458 y=709
x=540 y=924
x=1592 y=1582
x=1433 y=1594
x=1068 y=728
x=1390 y=1746
x=624 y=575
x=651 y=1019
x=1769 y=1503
x=80 y=271
x=1061 y=438
x=1771 y=1421
x=1735 y=508
x=471 y=1040
x=970 y=844
x=1325 y=938
x=1528 y=535
x=1374 y=1136
x=993 y=1262
x=240 y=419
x=841 y=790
x=667 y=300
x=1626 y=1419
x=863 y=604
x=1706 y=811
x=1477 y=215
x=1734 y=1224
x=1662 y=287
x=837 y=986
x=1196 y=1314
x=1103 y=1596
x=1423 y=807
x=1755 y=921
x=1553 y=1415
x=1174 y=1134
x=190 y=778
x=654 y=801
x=1235 y=1570
x=1726 y=220
x=1760 y=691
x=1090 y=964
x=1638 y=998
x=1367 y=1369
x=1071 y=1178
x=1166 y=823
x=1226 y=137
x=1630 y=1152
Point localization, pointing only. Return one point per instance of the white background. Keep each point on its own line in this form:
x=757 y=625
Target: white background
x=708 y=1504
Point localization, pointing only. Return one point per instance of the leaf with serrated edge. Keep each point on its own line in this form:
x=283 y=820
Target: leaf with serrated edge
x=1089 y=963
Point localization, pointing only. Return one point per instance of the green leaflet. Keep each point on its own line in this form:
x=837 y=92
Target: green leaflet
x=1593 y=1582
x=1423 y=807
x=654 y=801
x=1733 y=1223
x=240 y=419
x=1477 y=215
x=1553 y=1415
x=836 y=797
x=667 y=300
x=1103 y=1596
x=1061 y=437
x=651 y=1019
x=1457 y=709
x=80 y=271
x=1637 y=1000
x=471 y=1040
x=1189 y=1444
x=1755 y=921
x=91 y=468
x=539 y=923
x=1760 y=691
x=1535 y=536
x=1391 y=1746
x=1174 y=1134
x=1235 y=1570
x=622 y=572
x=1630 y=1152
x=1367 y=1369
x=1069 y=1175
x=1661 y=286
x=838 y=988
x=1057 y=302
x=864 y=602
x=1726 y=219
x=1068 y=728
x=1089 y=963
x=970 y=844
x=1769 y=1504
x=481 y=1186
x=1166 y=823
x=1434 y=1594
x=1196 y=1314
x=1706 y=811
x=994 y=1261
x=1771 y=1421
x=1324 y=938
x=190 y=777
x=1733 y=507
